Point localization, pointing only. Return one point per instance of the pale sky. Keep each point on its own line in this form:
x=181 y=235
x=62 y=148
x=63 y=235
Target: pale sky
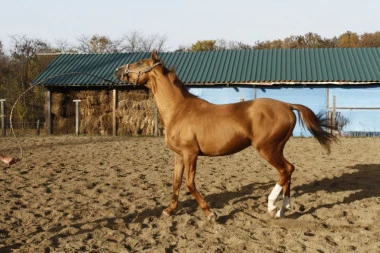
x=185 y=22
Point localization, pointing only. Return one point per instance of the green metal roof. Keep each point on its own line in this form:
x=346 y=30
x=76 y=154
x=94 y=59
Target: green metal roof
x=260 y=67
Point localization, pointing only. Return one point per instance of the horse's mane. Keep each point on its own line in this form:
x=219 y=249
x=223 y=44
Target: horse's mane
x=176 y=81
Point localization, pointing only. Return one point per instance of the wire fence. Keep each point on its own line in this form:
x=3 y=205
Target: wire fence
x=24 y=128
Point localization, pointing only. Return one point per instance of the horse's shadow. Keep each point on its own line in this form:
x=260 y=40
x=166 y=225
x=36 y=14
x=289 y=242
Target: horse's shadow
x=187 y=206
x=225 y=198
x=362 y=179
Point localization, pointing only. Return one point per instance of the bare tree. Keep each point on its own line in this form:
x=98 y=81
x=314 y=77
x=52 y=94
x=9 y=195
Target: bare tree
x=1 y=49
x=136 y=42
x=24 y=66
x=133 y=42
x=62 y=46
x=228 y=45
x=25 y=51
x=97 y=44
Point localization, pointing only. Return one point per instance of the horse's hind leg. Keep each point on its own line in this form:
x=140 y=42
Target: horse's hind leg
x=285 y=181
x=276 y=159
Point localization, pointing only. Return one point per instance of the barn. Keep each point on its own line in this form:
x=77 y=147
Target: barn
x=342 y=81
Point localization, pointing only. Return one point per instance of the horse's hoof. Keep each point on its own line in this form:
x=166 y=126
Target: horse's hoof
x=272 y=213
x=280 y=213
x=211 y=217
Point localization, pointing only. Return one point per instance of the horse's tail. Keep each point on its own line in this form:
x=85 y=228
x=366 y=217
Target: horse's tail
x=316 y=124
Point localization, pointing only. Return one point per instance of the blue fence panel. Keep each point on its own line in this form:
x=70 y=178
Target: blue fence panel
x=363 y=96
x=361 y=122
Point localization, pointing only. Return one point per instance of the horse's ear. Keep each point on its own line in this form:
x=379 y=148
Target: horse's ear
x=155 y=56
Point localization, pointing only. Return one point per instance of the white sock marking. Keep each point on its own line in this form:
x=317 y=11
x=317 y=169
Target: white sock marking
x=273 y=197
x=285 y=206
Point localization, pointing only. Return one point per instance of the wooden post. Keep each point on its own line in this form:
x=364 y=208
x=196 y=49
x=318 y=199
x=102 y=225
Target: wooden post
x=2 y=116
x=48 y=118
x=327 y=98
x=38 y=127
x=114 y=126
x=77 y=116
x=333 y=116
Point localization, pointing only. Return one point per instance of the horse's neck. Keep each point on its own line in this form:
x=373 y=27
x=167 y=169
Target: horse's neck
x=168 y=95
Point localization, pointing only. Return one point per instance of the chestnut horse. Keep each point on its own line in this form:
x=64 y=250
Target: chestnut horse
x=196 y=127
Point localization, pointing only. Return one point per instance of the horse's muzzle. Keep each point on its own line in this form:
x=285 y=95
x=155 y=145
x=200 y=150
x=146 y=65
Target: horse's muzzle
x=119 y=75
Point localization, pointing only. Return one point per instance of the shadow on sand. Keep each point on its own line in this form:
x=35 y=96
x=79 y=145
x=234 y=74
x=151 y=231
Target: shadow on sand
x=364 y=179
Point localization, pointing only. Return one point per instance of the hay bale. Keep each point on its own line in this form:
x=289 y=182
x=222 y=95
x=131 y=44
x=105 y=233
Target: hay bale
x=134 y=113
x=90 y=125
x=105 y=124
x=92 y=101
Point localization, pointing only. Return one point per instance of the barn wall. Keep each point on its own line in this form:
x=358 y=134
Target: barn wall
x=135 y=108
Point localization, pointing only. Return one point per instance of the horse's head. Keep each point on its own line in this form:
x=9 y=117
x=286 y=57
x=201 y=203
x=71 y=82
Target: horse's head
x=137 y=72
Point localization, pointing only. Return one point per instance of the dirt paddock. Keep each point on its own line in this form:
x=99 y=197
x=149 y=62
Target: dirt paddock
x=106 y=194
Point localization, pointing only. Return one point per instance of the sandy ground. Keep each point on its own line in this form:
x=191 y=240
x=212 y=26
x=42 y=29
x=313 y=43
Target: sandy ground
x=106 y=194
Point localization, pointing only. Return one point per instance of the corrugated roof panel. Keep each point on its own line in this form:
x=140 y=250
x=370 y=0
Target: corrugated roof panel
x=312 y=67
x=218 y=66
x=230 y=66
x=204 y=67
x=193 y=61
x=224 y=67
x=361 y=69
x=347 y=65
x=368 y=69
x=245 y=66
x=279 y=65
x=212 y=67
x=375 y=60
x=309 y=64
x=334 y=71
x=248 y=66
x=354 y=67
x=261 y=66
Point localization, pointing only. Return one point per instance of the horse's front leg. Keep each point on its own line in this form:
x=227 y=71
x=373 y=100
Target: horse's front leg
x=190 y=162
x=177 y=181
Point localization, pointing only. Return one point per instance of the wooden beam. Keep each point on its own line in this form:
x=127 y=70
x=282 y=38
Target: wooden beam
x=48 y=116
x=2 y=116
x=77 y=115
x=114 y=107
